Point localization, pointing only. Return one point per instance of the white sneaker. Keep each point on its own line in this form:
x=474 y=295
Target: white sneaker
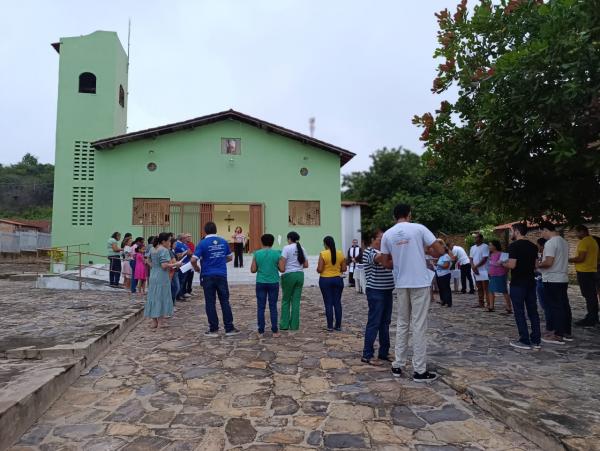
x=187 y=295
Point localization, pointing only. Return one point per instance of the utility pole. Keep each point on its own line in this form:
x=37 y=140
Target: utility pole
x=311 y=125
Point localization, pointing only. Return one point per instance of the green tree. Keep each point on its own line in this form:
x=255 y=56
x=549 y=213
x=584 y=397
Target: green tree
x=524 y=131
x=26 y=189
x=398 y=175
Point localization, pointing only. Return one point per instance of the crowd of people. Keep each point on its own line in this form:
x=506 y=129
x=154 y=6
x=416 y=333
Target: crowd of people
x=400 y=265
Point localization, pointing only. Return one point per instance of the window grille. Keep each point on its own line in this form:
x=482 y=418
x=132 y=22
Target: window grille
x=151 y=211
x=304 y=212
x=82 y=206
x=83 y=161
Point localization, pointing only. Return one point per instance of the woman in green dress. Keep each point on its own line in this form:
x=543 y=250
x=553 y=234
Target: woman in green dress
x=159 y=304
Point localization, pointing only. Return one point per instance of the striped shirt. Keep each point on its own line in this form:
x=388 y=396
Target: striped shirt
x=378 y=278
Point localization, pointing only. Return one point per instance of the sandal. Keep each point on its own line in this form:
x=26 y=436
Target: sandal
x=370 y=361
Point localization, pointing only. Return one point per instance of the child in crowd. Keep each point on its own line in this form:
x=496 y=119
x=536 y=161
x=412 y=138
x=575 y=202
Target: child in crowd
x=140 y=269
x=265 y=266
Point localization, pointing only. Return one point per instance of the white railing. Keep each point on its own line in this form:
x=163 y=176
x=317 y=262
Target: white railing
x=26 y=241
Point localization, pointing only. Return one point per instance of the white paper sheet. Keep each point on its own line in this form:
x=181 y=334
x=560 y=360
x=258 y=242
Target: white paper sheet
x=187 y=267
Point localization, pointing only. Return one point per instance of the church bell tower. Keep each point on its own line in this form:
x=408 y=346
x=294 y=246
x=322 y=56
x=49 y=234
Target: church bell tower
x=92 y=104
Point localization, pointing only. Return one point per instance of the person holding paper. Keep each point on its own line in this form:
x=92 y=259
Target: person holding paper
x=159 y=304
x=498 y=276
x=183 y=254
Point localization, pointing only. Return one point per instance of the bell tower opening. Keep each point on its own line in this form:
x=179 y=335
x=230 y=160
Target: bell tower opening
x=87 y=83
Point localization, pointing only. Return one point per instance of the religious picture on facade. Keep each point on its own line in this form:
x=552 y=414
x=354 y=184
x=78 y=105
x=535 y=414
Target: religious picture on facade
x=231 y=146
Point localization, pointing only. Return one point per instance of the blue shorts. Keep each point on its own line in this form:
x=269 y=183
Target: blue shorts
x=497 y=284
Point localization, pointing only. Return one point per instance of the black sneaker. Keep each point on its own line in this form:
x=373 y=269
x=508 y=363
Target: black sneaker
x=211 y=334
x=424 y=377
x=232 y=332
x=396 y=372
x=585 y=323
x=338 y=329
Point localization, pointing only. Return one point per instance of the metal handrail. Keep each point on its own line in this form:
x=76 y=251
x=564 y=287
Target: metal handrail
x=79 y=254
x=61 y=247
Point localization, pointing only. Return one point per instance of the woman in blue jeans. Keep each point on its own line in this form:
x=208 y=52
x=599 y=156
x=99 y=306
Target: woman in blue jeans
x=265 y=264
x=331 y=267
x=380 y=296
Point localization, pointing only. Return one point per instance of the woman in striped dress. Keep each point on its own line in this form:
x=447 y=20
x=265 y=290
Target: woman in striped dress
x=380 y=296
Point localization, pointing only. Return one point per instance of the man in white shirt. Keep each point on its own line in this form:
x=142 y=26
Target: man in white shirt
x=479 y=255
x=463 y=262
x=555 y=276
x=403 y=249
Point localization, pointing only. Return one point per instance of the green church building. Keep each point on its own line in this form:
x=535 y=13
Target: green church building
x=226 y=167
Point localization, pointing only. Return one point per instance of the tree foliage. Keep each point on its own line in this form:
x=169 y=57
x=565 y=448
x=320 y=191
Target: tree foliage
x=398 y=175
x=524 y=131
x=26 y=189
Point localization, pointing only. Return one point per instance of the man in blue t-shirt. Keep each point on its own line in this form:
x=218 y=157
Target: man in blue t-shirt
x=213 y=254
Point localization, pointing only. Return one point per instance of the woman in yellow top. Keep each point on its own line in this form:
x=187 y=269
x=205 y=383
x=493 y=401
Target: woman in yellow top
x=331 y=266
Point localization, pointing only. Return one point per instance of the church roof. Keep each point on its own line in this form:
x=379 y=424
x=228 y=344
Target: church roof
x=109 y=143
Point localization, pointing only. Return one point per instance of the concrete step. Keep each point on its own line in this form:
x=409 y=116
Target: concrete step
x=32 y=378
x=24 y=277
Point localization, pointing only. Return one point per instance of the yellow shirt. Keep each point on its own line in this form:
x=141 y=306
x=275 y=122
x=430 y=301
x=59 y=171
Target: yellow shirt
x=331 y=270
x=590 y=247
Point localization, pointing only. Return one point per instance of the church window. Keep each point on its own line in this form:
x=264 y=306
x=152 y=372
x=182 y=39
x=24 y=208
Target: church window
x=87 y=83
x=121 y=96
x=304 y=212
x=151 y=211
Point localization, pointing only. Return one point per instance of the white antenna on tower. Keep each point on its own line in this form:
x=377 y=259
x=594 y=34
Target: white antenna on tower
x=311 y=124
x=128 y=42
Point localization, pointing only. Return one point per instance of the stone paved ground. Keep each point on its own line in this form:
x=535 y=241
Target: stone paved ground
x=556 y=389
x=44 y=319
x=175 y=390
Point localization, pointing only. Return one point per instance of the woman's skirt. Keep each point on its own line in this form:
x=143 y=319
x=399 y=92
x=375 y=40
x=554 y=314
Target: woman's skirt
x=497 y=284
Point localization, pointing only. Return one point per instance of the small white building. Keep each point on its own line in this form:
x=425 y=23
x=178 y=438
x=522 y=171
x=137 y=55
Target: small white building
x=351 y=228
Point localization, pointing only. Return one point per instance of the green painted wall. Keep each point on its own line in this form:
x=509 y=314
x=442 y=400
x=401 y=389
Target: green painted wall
x=191 y=168
x=85 y=117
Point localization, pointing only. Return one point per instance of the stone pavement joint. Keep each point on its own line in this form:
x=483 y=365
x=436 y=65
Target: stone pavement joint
x=173 y=389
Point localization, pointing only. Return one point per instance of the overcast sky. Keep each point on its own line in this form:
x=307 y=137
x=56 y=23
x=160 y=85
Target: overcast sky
x=362 y=69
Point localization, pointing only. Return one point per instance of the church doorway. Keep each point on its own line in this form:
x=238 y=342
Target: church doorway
x=191 y=217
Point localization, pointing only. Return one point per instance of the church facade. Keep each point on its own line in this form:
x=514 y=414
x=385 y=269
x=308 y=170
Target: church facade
x=227 y=167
